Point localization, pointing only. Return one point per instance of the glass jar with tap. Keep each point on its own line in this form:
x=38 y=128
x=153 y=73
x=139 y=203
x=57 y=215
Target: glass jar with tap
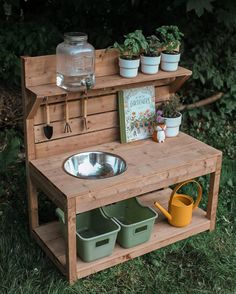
x=75 y=61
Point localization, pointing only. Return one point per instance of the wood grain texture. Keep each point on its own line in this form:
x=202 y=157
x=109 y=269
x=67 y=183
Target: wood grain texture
x=76 y=143
x=178 y=83
x=107 y=83
x=40 y=182
x=97 y=104
x=95 y=122
x=42 y=69
x=49 y=238
x=32 y=193
x=56 y=93
x=100 y=116
x=150 y=166
x=213 y=193
x=70 y=232
x=162 y=235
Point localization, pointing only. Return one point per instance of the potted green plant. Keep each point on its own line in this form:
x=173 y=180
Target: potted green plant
x=150 y=58
x=168 y=113
x=171 y=39
x=130 y=50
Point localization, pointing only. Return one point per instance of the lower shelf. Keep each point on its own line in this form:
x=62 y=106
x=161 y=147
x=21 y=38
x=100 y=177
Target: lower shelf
x=50 y=239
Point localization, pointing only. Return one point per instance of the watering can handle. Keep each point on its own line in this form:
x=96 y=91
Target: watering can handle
x=199 y=196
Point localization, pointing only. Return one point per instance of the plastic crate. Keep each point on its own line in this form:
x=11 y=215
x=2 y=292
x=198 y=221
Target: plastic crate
x=95 y=234
x=136 y=221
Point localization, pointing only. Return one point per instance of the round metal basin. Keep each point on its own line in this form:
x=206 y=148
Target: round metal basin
x=94 y=165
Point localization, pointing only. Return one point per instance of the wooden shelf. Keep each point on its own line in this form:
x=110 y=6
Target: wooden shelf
x=163 y=234
x=111 y=81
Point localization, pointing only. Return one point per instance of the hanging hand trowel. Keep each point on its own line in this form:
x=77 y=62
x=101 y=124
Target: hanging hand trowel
x=48 y=130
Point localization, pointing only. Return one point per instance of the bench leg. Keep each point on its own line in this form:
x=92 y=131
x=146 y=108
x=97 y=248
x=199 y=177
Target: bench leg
x=71 y=258
x=213 y=194
x=32 y=204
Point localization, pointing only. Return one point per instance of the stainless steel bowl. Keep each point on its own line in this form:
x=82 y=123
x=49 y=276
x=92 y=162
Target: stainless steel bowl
x=94 y=165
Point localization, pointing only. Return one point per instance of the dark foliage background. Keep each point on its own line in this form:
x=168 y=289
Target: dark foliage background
x=30 y=27
x=35 y=27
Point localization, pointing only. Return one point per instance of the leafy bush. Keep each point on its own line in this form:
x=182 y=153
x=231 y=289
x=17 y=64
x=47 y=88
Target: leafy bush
x=10 y=164
x=24 y=38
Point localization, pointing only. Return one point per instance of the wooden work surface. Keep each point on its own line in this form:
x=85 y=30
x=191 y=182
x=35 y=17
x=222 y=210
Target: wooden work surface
x=151 y=166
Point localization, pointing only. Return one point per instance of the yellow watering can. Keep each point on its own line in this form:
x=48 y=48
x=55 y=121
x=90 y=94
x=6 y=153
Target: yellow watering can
x=181 y=206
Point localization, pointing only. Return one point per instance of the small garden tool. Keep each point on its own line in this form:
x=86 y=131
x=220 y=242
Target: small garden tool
x=48 y=130
x=67 y=128
x=85 y=102
x=181 y=206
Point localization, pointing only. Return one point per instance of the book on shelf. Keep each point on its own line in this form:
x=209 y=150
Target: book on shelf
x=136 y=113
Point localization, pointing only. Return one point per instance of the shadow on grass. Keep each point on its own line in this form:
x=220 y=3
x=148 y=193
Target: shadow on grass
x=205 y=263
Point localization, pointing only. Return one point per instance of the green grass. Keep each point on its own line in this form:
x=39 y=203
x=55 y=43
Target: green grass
x=205 y=263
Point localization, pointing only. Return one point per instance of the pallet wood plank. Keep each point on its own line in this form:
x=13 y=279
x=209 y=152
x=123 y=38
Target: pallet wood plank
x=63 y=145
x=96 y=105
x=178 y=83
x=42 y=69
x=213 y=193
x=54 y=92
x=150 y=166
x=70 y=233
x=53 y=248
x=112 y=81
x=39 y=181
x=162 y=235
x=30 y=152
x=95 y=122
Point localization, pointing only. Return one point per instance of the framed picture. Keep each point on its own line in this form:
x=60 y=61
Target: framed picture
x=136 y=112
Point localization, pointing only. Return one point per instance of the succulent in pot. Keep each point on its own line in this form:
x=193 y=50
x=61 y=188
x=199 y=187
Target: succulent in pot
x=168 y=112
x=170 y=37
x=150 y=58
x=129 y=59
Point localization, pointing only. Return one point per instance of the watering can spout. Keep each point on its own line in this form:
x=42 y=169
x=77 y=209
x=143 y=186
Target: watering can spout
x=164 y=211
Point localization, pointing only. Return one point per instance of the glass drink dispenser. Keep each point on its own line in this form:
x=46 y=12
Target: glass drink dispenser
x=75 y=62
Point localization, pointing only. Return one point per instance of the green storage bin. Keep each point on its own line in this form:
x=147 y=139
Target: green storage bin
x=136 y=221
x=95 y=234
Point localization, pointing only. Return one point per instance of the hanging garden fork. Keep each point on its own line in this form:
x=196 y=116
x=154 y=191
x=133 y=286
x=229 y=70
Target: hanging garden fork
x=67 y=128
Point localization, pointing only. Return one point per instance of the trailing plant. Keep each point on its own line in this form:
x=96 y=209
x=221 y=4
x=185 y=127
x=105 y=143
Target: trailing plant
x=170 y=37
x=170 y=108
x=133 y=44
x=154 y=46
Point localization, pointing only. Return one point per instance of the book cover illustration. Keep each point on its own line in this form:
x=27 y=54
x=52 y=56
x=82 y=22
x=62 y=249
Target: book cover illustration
x=137 y=112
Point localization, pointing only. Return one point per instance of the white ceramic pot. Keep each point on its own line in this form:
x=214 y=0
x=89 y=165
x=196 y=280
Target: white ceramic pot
x=169 y=62
x=129 y=67
x=149 y=64
x=172 y=125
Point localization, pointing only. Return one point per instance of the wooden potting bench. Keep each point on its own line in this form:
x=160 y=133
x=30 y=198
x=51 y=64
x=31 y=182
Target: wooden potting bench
x=152 y=167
